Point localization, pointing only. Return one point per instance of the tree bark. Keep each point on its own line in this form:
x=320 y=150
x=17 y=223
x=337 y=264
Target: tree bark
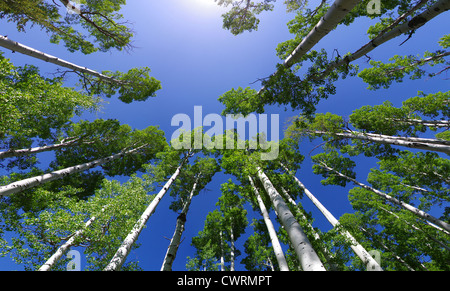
x=428 y=144
x=282 y=263
x=222 y=255
x=308 y=258
x=409 y=26
x=179 y=229
x=65 y=247
x=232 y=249
x=359 y=250
x=393 y=200
x=11 y=153
x=329 y=21
x=120 y=256
x=20 y=48
x=326 y=253
x=25 y=184
x=428 y=123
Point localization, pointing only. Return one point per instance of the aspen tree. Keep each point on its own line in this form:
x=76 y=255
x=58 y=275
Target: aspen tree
x=83 y=134
x=176 y=238
x=359 y=250
x=74 y=23
x=321 y=162
x=195 y=177
x=271 y=230
x=35 y=110
x=303 y=93
x=210 y=245
x=306 y=254
x=415 y=23
x=234 y=224
x=30 y=151
x=120 y=256
x=94 y=226
x=333 y=130
x=334 y=15
x=136 y=84
x=25 y=184
x=65 y=247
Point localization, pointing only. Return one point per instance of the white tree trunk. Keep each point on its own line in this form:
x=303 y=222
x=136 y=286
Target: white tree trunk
x=24 y=152
x=328 y=256
x=20 y=48
x=421 y=230
x=393 y=200
x=415 y=23
x=120 y=256
x=308 y=258
x=338 y=10
x=428 y=123
x=359 y=250
x=176 y=238
x=65 y=247
x=269 y=264
x=25 y=184
x=222 y=258
x=428 y=144
x=282 y=263
x=232 y=249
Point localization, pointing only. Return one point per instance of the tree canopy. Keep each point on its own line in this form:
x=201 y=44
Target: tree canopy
x=73 y=181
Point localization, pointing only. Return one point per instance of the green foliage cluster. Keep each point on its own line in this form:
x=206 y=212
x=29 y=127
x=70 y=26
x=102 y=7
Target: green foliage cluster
x=97 y=27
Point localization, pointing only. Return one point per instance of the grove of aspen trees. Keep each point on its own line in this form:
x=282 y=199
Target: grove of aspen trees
x=97 y=173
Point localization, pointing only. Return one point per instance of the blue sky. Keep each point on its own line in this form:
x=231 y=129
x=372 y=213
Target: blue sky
x=183 y=43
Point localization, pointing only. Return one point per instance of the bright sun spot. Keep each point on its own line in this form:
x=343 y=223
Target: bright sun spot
x=204 y=3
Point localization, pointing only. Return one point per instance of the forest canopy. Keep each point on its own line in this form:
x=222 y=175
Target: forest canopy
x=76 y=181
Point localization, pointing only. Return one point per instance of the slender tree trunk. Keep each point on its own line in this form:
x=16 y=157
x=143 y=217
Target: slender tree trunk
x=393 y=200
x=179 y=229
x=232 y=249
x=420 y=230
x=338 y=10
x=25 y=184
x=399 y=259
x=326 y=253
x=308 y=258
x=357 y=248
x=418 y=62
x=66 y=246
x=222 y=257
x=120 y=256
x=428 y=123
x=282 y=263
x=269 y=263
x=409 y=26
x=428 y=144
x=24 y=152
x=20 y=48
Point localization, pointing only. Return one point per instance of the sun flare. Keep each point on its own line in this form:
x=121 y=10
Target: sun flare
x=204 y=3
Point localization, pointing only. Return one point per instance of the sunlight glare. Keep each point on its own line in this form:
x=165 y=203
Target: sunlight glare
x=204 y=4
